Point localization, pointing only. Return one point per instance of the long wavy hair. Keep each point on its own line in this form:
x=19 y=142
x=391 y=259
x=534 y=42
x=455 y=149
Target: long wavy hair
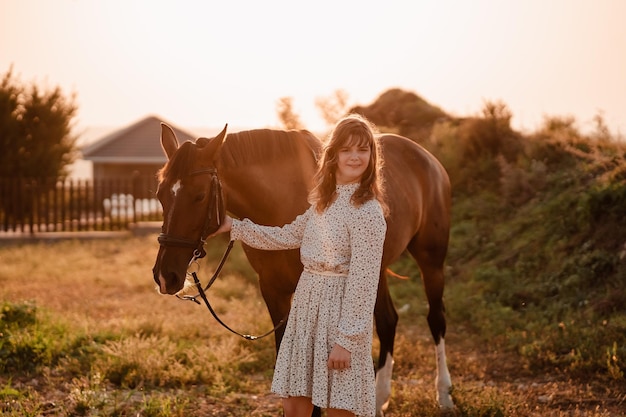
x=353 y=129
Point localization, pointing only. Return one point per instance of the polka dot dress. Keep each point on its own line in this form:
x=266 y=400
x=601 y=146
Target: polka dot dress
x=341 y=250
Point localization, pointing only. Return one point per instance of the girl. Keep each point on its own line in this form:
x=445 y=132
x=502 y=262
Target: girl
x=325 y=355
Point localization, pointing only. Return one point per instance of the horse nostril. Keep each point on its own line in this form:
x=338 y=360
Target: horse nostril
x=167 y=283
x=159 y=280
x=156 y=276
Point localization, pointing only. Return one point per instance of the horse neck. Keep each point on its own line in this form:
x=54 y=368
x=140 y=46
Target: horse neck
x=268 y=194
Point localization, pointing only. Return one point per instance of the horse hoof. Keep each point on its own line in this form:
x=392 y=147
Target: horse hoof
x=445 y=402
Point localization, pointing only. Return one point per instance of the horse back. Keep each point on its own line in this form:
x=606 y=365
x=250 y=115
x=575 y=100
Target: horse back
x=418 y=195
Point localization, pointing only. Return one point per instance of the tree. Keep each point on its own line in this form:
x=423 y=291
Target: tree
x=35 y=131
x=403 y=112
x=334 y=107
x=286 y=115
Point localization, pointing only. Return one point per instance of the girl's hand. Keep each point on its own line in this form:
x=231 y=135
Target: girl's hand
x=339 y=358
x=226 y=225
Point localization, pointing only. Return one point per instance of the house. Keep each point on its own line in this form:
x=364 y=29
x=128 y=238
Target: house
x=132 y=151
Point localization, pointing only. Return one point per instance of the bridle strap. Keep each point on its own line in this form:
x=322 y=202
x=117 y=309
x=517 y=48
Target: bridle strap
x=216 y=192
x=169 y=240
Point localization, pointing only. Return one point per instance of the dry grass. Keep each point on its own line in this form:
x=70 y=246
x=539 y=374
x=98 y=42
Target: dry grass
x=108 y=284
x=171 y=358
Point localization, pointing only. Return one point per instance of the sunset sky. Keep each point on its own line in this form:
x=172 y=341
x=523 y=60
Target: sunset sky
x=206 y=63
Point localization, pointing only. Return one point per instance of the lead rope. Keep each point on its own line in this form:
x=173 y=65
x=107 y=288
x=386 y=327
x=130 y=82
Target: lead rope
x=202 y=294
x=215 y=316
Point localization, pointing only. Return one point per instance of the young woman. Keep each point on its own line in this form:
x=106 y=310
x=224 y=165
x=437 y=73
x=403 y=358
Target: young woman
x=325 y=354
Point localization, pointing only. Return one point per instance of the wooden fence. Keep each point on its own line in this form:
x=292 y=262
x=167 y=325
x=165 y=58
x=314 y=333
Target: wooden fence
x=39 y=206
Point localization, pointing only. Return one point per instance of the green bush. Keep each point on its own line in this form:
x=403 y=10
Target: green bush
x=17 y=315
x=23 y=346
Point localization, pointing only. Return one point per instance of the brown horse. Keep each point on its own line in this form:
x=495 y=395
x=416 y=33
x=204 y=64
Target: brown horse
x=265 y=175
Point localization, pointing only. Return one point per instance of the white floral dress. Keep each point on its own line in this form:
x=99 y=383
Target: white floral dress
x=341 y=250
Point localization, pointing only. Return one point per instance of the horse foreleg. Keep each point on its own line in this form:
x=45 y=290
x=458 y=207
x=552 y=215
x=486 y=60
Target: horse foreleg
x=278 y=272
x=383 y=385
x=386 y=319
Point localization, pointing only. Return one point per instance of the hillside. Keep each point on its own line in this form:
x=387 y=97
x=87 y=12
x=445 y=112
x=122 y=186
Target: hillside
x=537 y=260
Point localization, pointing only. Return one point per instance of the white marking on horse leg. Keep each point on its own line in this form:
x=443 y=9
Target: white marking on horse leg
x=443 y=381
x=383 y=386
x=177 y=185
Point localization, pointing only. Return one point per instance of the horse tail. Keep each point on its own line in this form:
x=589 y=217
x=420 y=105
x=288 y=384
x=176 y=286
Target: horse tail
x=393 y=274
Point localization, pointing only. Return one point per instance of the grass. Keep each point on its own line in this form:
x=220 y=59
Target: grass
x=88 y=319
x=84 y=333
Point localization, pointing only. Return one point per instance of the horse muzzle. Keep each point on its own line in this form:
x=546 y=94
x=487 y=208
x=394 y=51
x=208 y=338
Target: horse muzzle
x=168 y=280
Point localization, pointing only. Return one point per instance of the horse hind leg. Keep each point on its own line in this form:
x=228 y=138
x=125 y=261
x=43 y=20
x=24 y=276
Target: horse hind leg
x=431 y=263
x=386 y=319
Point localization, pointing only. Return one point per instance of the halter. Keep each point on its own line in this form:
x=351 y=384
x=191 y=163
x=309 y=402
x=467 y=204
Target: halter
x=217 y=201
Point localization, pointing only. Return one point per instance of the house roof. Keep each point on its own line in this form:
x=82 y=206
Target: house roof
x=137 y=143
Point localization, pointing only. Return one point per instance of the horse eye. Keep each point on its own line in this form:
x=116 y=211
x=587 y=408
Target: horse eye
x=200 y=197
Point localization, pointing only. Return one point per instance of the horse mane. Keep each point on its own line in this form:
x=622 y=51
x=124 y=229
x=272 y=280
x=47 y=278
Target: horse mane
x=247 y=147
x=177 y=165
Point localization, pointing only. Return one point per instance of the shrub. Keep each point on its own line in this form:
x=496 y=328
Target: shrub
x=23 y=346
x=17 y=315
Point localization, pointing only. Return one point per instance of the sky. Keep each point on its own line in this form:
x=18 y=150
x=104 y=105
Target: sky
x=201 y=64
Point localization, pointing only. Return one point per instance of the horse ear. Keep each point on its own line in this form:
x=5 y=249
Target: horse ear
x=219 y=141
x=222 y=135
x=169 y=143
x=211 y=147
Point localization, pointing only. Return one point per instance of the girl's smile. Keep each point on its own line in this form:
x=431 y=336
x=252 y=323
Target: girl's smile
x=352 y=163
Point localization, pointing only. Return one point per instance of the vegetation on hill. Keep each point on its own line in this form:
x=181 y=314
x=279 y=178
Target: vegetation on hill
x=404 y=113
x=537 y=260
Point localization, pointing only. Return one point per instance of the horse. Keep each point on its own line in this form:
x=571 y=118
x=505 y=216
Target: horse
x=265 y=175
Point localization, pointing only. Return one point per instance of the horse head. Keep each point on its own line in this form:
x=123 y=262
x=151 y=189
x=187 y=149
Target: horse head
x=193 y=205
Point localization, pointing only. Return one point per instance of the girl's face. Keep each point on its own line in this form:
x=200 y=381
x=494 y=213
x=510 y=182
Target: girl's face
x=352 y=161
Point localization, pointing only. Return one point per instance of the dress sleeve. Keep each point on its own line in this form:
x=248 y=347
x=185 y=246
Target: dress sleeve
x=288 y=236
x=367 y=237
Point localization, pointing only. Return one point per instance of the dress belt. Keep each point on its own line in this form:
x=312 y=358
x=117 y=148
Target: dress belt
x=326 y=273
